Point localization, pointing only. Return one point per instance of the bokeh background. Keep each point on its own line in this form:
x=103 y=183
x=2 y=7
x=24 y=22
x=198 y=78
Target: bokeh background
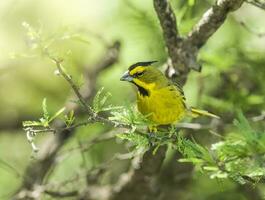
x=232 y=77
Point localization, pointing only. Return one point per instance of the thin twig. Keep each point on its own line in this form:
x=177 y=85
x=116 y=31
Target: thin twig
x=60 y=194
x=36 y=171
x=73 y=85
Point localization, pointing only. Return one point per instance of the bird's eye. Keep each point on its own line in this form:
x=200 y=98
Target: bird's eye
x=139 y=74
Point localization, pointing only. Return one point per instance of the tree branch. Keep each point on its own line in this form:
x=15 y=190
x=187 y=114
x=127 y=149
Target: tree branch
x=211 y=20
x=169 y=26
x=183 y=54
x=37 y=170
x=73 y=86
x=139 y=182
x=183 y=51
x=181 y=59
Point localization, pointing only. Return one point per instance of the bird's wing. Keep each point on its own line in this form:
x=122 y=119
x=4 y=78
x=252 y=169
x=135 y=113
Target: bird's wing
x=178 y=87
x=179 y=92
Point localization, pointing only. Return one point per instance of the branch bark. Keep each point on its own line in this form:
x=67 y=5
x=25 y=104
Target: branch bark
x=183 y=54
x=211 y=20
x=168 y=24
x=183 y=51
x=180 y=59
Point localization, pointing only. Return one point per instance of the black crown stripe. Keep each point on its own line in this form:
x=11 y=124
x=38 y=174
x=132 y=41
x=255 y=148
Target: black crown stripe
x=141 y=64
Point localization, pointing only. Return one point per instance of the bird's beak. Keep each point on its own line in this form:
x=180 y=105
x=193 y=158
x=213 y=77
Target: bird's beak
x=126 y=77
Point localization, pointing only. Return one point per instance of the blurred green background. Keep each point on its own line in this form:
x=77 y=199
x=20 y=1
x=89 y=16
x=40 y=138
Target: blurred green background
x=232 y=77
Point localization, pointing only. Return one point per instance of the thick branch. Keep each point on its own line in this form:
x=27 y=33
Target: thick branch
x=181 y=59
x=183 y=52
x=169 y=26
x=168 y=23
x=211 y=21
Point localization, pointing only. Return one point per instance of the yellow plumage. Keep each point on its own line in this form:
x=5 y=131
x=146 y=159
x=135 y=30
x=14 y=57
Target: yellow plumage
x=157 y=97
x=165 y=106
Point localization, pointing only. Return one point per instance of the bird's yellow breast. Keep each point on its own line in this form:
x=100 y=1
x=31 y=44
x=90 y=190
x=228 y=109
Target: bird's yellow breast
x=162 y=106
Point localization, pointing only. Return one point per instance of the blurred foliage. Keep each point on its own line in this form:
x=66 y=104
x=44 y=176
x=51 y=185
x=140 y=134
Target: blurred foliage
x=46 y=119
x=79 y=31
x=239 y=156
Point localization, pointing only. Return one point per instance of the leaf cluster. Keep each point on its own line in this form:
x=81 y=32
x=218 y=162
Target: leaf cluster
x=240 y=156
x=46 y=118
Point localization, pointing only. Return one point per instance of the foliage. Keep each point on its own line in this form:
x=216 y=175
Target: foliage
x=46 y=119
x=129 y=115
x=234 y=68
x=100 y=104
x=138 y=140
x=240 y=156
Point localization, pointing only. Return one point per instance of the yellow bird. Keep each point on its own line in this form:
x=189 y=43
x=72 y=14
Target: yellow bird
x=158 y=98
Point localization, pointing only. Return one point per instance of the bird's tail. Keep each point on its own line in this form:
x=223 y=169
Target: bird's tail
x=196 y=112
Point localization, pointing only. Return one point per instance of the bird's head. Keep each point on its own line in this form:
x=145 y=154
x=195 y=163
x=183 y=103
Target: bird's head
x=144 y=75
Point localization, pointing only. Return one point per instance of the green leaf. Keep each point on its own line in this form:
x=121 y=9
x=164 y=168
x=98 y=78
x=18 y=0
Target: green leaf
x=136 y=139
x=59 y=112
x=210 y=168
x=46 y=115
x=219 y=174
x=69 y=119
x=236 y=177
x=129 y=115
x=44 y=122
x=45 y=119
x=243 y=126
x=192 y=150
x=191 y=160
x=31 y=123
x=99 y=101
